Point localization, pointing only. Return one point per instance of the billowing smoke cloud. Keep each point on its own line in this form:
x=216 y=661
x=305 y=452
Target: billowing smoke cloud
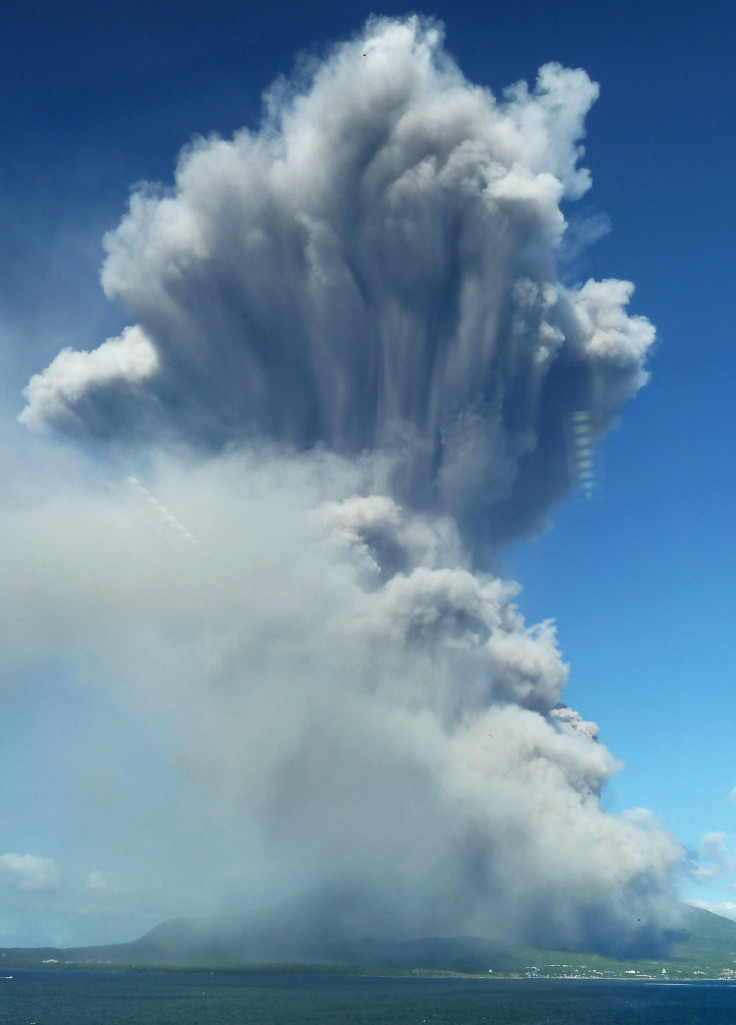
x=336 y=676
x=352 y=318
x=374 y=268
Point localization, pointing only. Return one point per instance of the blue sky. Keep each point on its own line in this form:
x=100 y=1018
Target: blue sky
x=638 y=579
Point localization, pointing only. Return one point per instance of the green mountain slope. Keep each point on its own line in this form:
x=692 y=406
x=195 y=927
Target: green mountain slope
x=278 y=938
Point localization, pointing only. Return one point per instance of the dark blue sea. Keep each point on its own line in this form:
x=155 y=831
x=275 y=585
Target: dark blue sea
x=186 y=998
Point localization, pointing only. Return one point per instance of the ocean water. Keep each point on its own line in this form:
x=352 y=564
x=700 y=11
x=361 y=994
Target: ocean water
x=189 y=998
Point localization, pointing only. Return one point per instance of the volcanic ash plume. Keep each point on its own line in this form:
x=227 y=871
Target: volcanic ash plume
x=352 y=321
x=373 y=269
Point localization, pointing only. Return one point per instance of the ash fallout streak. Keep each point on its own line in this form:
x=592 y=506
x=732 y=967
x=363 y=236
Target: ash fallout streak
x=354 y=369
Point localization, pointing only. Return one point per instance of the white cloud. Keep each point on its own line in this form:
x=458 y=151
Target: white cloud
x=100 y=880
x=713 y=859
x=29 y=872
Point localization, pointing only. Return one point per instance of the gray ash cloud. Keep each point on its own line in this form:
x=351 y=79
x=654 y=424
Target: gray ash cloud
x=374 y=269
x=351 y=320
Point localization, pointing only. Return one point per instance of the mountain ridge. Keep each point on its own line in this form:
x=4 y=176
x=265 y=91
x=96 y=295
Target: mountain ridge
x=276 y=940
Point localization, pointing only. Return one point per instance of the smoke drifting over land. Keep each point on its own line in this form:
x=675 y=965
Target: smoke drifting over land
x=351 y=321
